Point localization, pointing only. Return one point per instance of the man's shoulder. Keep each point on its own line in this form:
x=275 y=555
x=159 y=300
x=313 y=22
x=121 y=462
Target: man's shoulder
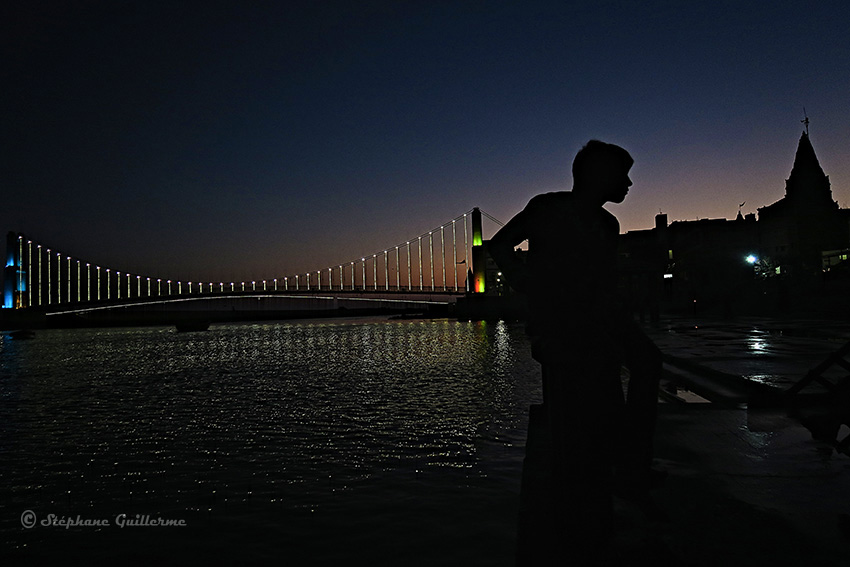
x=545 y=201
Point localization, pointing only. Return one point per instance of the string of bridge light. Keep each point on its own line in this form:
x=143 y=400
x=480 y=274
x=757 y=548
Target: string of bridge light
x=295 y=282
x=100 y=283
x=51 y=279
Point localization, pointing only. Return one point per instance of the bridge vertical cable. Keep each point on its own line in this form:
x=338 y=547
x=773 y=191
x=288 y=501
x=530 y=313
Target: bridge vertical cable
x=466 y=251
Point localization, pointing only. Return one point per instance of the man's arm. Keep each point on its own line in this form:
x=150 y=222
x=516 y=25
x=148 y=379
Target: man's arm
x=501 y=248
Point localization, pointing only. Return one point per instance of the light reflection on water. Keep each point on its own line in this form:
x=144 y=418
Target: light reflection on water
x=757 y=345
x=310 y=440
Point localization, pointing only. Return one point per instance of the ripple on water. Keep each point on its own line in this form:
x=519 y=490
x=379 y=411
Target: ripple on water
x=282 y=433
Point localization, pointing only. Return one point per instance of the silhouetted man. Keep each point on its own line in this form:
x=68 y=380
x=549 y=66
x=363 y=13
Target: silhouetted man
x=581 y=335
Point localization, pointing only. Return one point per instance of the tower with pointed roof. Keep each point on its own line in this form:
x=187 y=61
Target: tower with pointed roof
x=797 y=232
x=808 y=186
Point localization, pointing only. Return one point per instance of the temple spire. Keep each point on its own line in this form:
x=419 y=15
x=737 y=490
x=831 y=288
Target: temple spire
x=805 y=120
x=807 y=182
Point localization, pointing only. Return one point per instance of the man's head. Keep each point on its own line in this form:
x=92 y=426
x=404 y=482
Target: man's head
x=601 y=172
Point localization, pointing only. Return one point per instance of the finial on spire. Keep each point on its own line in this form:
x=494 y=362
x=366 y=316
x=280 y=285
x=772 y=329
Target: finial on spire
x=805 y=120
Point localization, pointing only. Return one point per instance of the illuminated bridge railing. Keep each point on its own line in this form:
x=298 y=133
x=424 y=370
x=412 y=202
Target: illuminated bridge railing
x=437 y=261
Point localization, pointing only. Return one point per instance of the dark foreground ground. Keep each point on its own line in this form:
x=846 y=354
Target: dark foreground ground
x=746 y=485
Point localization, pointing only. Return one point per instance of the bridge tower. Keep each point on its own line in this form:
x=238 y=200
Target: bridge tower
x=14 y=274
x=479 y=255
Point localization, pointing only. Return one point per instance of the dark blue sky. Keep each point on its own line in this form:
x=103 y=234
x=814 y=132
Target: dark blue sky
x=235 y=140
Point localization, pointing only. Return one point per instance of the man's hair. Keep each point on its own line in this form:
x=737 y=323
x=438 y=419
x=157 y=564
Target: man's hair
x=598 y=159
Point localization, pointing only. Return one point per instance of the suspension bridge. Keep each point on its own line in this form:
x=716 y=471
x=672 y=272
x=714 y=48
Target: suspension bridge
x=433 y=269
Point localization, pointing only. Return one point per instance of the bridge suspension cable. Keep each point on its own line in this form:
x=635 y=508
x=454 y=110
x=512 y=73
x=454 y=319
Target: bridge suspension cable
x=492 y=218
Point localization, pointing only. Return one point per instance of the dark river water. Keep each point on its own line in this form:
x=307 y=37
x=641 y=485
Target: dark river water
x=343 y=442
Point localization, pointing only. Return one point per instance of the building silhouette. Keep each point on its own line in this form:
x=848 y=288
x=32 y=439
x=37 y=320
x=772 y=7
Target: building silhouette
x=793 y=257
x=805 y=232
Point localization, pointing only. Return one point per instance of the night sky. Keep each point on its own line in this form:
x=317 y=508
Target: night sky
x=239 y=140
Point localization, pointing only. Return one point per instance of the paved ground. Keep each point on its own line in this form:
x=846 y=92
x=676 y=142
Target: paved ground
x=746 y=486
x=770 y=351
